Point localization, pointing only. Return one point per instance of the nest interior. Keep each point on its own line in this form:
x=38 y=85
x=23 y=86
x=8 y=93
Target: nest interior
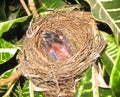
x=60 y=78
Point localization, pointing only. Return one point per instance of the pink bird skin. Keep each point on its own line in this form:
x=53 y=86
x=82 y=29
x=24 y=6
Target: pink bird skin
x=56 y=45
x=65 y=41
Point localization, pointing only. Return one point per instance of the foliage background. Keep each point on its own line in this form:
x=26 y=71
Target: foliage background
x=14 y=22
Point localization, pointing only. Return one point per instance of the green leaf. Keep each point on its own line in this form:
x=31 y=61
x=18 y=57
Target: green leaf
x=115 y=76
x=2 y=10
x=5 y=26
x=107 y=11
x=7 y=50
x=87 y=87
x=50 y=5
x=25 y=90
x=38 y=94
x=17 y=91
x=7 y=73
x=110 y=53
x=106 y=92
x=54 y=3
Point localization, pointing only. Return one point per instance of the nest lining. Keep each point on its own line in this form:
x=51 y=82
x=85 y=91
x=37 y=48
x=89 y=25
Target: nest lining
x=60 y=77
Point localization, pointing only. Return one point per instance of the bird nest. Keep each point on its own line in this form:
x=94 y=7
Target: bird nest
x=61 y=77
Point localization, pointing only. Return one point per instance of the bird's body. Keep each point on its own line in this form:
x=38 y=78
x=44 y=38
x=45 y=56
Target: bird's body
x=60 y=50
x=56 y=46
x=65 y=41
x=50 y=51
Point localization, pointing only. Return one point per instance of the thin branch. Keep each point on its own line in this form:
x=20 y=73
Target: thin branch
x=25 y=7
x=12 y=78
x=33 y=9
x=41 y=3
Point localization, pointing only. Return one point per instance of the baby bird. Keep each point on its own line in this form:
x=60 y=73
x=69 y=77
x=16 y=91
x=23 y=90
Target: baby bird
x=48 y=36
x=56 y=48
x=50 y=51
x=65 y=41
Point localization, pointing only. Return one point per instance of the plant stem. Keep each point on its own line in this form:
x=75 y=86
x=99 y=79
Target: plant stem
x=12 y=78
x=41 y=3
x=25 y=7
x=33 y=9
